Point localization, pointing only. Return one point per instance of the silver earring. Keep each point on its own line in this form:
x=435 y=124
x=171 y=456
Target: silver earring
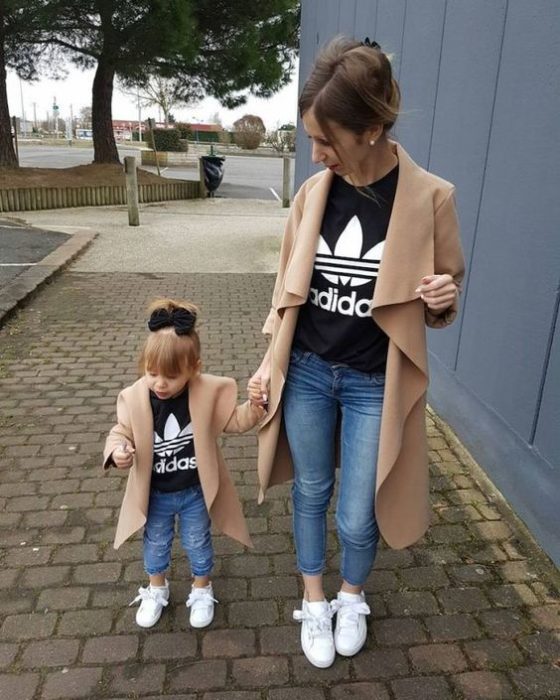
x=372 y=142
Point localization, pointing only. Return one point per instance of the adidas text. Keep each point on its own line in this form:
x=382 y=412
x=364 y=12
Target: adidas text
x=348 y=305
x=164 y=466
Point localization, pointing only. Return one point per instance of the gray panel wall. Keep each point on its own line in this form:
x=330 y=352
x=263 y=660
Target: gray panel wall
x=480 y=107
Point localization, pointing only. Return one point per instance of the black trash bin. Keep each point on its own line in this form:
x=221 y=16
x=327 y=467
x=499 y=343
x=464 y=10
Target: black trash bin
x=213 y=167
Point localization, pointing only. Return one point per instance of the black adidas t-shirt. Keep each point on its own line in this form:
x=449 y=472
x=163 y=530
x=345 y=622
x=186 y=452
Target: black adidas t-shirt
x=174 y=466
x=336 y=321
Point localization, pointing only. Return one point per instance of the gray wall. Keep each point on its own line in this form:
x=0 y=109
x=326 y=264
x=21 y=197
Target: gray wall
x=481 y=104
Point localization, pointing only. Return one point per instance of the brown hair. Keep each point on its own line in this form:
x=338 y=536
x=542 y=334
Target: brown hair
x=351 y=84
x=164 y=350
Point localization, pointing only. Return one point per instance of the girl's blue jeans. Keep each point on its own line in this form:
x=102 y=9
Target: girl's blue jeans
x=316 y=391
x=194 y=530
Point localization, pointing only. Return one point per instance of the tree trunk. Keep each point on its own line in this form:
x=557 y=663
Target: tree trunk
x=104 y=145
x=7 y=153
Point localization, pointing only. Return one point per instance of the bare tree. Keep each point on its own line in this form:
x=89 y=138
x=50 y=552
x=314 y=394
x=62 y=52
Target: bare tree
x=165 y=93
x=85 y=117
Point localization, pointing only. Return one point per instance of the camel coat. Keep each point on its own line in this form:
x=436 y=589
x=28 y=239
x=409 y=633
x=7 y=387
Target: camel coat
x=422 y=239
x=213 y=409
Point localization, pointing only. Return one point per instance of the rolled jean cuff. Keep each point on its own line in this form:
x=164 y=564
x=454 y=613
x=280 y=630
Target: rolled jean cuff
x=311 y=573
x=205 y=572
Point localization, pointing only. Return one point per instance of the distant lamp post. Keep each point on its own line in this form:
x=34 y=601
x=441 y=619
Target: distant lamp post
x=55 y=112
x=23 y=128
x=139 y=115
x=70 y=127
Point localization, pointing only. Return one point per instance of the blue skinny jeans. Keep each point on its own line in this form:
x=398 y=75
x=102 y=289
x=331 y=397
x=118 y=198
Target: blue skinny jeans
x=316 y=391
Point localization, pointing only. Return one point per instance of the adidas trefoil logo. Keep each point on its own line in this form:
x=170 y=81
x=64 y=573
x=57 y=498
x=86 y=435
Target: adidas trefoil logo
x=346 y=265
x=174 y=439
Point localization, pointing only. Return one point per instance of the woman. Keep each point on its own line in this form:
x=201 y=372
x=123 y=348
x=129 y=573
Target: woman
x=370 y=255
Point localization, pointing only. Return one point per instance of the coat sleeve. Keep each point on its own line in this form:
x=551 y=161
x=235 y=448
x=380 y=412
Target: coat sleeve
x=119 y=433
x=448 y=257
x=294 y=217
x=244 y=417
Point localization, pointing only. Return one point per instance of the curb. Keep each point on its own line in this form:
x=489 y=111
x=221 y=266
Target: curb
x=14 y=294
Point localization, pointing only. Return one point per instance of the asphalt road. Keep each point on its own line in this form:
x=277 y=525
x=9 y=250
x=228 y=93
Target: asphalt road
x=21 y=246
x=245 y=177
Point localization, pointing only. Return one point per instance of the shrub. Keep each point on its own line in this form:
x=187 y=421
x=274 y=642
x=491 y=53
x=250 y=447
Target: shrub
x=282 y=140
x=249 y=131
x=184 y=129
x=165 y=139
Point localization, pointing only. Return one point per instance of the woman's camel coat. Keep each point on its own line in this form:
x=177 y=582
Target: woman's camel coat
x=213 y=409
x=422 y=239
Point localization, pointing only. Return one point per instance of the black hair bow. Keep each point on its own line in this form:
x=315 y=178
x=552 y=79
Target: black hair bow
x=371 y=44
x=182 y=320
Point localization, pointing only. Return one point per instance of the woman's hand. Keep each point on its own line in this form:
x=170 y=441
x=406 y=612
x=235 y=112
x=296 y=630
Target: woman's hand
x=438 y=292
x=122 y=456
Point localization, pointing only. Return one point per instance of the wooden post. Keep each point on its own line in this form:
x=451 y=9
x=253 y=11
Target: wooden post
x=201 y=184
x=286 y=182
x=151 y=125
x=131 y=190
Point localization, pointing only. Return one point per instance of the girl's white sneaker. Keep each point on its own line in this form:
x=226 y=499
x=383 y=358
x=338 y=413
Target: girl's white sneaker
x=152 y=601
x=201 y=602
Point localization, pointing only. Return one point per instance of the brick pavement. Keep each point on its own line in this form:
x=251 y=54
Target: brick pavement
x=471 y=611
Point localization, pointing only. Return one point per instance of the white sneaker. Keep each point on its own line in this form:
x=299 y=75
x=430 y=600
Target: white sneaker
x=350 y=630
x=153 y=600
x=201 y=602
x=316 y=632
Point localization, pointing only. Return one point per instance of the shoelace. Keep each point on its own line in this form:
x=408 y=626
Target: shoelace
x=318 y=624
x=200 y=596
x=349 y=611
x=149 y=594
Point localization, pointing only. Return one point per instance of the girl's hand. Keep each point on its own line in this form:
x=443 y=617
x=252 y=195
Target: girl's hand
x=255 y=392
x=438 y=292
x=122 y=456
x=257 y=387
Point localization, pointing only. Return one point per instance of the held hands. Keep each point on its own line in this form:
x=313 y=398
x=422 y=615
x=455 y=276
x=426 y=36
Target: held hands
x=438 y=292
x=257 y=389
x=122 y=456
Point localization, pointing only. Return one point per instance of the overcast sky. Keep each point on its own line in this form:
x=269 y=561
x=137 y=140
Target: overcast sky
x=75 y=90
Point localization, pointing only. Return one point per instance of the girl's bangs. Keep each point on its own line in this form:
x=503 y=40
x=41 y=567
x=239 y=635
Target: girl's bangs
x=165 y=353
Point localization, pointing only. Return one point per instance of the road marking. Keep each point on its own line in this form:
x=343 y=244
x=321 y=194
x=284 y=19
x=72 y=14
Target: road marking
x=17 y=264
x=56 y=227
x=275 y=194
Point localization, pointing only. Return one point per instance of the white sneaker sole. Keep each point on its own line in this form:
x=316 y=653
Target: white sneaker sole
x=145 y=625
x=199 y=625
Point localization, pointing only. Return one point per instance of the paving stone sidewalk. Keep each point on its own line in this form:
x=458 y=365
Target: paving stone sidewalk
x=471 y=611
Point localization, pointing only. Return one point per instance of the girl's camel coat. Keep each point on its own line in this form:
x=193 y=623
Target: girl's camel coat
x=422 y=239
x=213 y=409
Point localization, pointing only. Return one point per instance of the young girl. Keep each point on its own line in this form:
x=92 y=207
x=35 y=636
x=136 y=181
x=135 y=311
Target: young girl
x=168 y=422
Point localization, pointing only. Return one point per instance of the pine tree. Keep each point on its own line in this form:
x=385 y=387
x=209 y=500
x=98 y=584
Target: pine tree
x=228 y=47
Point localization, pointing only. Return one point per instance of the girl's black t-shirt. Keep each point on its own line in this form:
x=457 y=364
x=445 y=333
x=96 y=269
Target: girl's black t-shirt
x=336 y=322
x=174 y=465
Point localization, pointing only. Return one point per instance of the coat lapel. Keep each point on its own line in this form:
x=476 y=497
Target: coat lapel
x=408 y=253
x=142 y=423
x=201 y=403
x=300 y=265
